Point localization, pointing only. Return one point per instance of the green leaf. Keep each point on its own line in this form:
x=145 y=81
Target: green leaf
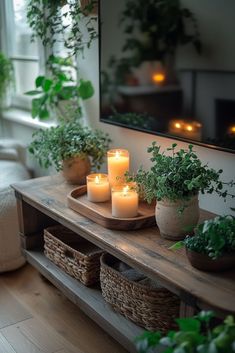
x=189 y=324
x=46 y=85
x=33 y=92
x=36 y=104
x=177 y=246
x=85 y=89
x=39 y=81
x=44 y=114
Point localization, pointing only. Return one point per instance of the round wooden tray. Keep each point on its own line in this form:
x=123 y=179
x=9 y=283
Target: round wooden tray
x=101 y=212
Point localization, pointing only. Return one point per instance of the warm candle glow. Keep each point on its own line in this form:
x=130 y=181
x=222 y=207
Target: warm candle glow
x=118 y=165
x=178 y=125
x=117 y=154
x=232 y=129
x=189 y=128
x=98 y=189
x=124 y=202
x=158 y=77
x=125 y=190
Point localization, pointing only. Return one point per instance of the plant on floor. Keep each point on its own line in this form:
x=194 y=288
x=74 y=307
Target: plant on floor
x=195 y=335
x=70 y=139
x=6 y=76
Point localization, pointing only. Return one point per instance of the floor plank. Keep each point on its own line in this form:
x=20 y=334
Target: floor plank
x=5 y=346
x=12 y=311
x=34 y=336
x=46 y=303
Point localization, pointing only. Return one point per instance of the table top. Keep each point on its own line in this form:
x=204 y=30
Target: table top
x=143 y=249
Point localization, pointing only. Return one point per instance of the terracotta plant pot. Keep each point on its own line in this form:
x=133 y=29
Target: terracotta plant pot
x=204 y=263
x=76 y=169
x=174 y=225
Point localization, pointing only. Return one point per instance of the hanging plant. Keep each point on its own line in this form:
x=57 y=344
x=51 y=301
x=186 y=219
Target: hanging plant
x=6 y=76
x=60 y=21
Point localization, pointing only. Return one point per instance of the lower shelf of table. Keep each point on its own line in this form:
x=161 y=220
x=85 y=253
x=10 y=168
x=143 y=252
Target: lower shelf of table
x=89 y=300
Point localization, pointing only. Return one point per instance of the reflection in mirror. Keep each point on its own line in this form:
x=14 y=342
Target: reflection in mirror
x=167 y=67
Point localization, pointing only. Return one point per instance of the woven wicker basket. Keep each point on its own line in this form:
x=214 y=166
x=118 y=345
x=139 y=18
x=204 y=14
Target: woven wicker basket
x=74 y=254
x=137 y=297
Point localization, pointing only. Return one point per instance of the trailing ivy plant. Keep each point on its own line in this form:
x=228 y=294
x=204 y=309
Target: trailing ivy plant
x=69 y=139
x=178 y=176
x=214 y=237
x=68 y=25
x=195 y=335
x=60 y=86
x=6 y=76
x=60 y=21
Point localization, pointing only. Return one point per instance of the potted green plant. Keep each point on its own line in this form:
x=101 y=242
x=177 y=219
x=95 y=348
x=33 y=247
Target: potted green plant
x=212 y=248
x=6 y=77
x=69 y=147
x=195 y=335
x=175 y=181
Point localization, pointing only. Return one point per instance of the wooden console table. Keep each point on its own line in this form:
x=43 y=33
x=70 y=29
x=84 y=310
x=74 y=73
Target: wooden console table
x=42 y=202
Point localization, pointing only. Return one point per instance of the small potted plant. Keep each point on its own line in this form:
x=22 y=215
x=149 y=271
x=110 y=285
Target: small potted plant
x=175 y=181
x=195 y=335
x=212 y=248
x=69 y=147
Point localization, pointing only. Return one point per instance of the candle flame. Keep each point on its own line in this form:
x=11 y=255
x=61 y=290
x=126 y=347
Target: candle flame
x=117 y=154
x=189 y=127
x=158 y=77
x=178 y=125
x=232 y=129
x=125 y=190
x=97 y=179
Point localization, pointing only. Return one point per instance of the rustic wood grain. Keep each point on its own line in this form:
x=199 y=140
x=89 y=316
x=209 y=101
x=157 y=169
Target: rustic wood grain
x=5 y=346
x=101 y=212
x=46 y=303
x=11 y=310
x=35 y=337
x=143 y=249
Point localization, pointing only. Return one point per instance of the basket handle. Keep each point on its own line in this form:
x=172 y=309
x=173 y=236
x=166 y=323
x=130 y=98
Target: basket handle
x=69 y=254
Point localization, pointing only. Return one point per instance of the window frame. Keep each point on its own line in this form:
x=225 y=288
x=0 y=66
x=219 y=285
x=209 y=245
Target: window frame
x=17 y=100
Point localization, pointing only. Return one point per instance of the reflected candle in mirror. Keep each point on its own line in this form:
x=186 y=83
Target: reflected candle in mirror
x=118 y=165
x=124 y=202
x=98 y=188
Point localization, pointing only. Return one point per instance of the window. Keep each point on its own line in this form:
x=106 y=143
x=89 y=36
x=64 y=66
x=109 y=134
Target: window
x=16 y=43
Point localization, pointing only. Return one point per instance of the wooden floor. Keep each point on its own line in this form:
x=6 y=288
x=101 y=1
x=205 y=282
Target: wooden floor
x=36 y=318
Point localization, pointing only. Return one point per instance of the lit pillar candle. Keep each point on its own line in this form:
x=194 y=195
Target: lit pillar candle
x=118 y=165
x=98 y=189
x=124 y=202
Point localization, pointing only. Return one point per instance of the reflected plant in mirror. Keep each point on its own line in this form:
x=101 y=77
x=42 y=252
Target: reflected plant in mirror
x=150 y=67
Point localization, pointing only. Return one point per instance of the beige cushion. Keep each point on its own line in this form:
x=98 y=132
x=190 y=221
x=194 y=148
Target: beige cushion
x=10 y=252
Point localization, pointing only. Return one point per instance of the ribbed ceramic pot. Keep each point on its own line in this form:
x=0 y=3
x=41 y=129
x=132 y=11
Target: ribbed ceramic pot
x=76 y=169
x=175 y=225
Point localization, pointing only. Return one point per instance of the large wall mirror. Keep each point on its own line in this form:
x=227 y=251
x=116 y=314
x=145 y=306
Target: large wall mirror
x=168 y=67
